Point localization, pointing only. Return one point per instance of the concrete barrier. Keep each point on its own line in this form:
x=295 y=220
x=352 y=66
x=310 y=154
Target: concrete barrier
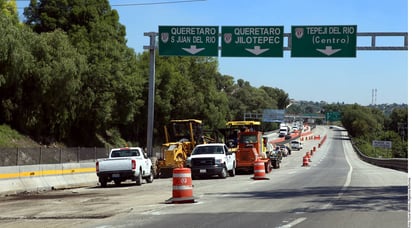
x=30 y=178
x=11 y=182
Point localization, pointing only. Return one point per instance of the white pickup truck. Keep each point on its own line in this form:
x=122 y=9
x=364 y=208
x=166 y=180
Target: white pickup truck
x=212 y=159
x=129 y=163
x=296 y=145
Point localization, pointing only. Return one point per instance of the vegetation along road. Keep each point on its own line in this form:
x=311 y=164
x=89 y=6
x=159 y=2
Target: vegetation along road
x=336 y=190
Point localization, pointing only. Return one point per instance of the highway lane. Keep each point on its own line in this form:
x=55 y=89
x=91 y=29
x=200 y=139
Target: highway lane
x=337 y=190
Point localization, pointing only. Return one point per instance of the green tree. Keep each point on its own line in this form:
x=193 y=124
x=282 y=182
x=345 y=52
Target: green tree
x=8 y=8
x=241 y=99
x=40 y=80
x=244 y=98
x=52 y=86
x=112 y=86
x=398 y=121
x=361 y=121
x=282 y=98
x=16 y=61
x=398 y=149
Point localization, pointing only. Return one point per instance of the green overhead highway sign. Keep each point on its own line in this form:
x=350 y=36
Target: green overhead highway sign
x=333 y=116
x=324 y=41
x=252 y=41
x=188 y=40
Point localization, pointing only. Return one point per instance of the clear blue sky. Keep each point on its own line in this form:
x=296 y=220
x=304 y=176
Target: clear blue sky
x=348 y=80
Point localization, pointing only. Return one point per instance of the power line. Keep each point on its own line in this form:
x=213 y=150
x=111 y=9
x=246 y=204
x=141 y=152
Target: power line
x=158 y=3
x=138 y=4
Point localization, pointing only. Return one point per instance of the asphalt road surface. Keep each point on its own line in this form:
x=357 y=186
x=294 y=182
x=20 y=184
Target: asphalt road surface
x=336 y=190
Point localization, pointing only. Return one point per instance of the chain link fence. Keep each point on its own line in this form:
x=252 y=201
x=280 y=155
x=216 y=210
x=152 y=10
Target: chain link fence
x=42 y=155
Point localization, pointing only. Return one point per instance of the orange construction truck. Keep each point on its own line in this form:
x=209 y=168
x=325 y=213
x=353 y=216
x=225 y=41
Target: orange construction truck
x=251 y=145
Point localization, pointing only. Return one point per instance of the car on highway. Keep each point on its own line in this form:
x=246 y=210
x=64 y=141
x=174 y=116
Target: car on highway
x=275 y=155
x=296 y=145
x=282 y=150
x=288 y=136
x=285 y=150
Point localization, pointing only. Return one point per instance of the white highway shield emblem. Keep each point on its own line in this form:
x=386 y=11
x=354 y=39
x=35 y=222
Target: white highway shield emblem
x=299 y=32
x=227 y=37
x=164 y=36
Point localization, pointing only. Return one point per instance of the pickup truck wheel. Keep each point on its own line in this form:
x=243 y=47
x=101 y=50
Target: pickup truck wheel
x=223 y=174
x=103 y=183
x=117 y=182
x=268 y=167
x=154 y=164
x=232 y=172
x=276 y=165
x=139 y=179
x=150 y=178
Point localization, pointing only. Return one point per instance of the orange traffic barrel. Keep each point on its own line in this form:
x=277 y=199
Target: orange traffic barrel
x=308 y=156
x=305 y=161
x=259 y=170
x=182 y=186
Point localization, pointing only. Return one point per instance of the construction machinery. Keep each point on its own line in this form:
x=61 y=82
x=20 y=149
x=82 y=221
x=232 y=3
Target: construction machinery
x=181 y=138
x=232 y=130
x=250 y=145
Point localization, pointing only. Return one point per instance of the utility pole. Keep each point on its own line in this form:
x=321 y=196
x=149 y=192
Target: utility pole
x=151 y=94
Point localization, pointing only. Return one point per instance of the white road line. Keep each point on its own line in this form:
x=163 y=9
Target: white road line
x=348 y=177
x=293 y=223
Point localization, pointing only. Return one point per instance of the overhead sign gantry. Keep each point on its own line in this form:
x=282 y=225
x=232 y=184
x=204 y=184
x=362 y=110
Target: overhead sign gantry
x=307 y=41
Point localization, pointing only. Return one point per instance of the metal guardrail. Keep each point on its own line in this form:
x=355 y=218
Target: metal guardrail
x=400 y=164
x=41 y=155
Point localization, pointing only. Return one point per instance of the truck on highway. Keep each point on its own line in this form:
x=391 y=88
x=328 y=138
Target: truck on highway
x=212 y=159
x=251 y=146
x=233 y=129
x=129 y=163
x=283 y=131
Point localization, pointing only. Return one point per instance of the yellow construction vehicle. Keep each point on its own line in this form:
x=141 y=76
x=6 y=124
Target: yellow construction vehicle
x=181 y=137
x=250 y=145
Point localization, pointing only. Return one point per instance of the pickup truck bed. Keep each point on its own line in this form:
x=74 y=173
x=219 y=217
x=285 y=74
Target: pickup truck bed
x=125 y=164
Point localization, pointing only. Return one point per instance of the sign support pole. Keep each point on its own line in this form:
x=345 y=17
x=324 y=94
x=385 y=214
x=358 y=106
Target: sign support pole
x=150 y=103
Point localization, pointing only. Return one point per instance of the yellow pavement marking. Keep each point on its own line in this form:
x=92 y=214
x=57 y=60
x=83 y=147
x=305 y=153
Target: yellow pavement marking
x=47 y=172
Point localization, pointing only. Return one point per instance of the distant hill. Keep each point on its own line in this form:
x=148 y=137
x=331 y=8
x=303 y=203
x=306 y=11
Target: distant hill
x=317 y=107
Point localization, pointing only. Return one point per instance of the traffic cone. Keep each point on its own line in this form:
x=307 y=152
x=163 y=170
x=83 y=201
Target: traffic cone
x=305 y=161
x=259 y=170
x=308 y=156
x=182 y=186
